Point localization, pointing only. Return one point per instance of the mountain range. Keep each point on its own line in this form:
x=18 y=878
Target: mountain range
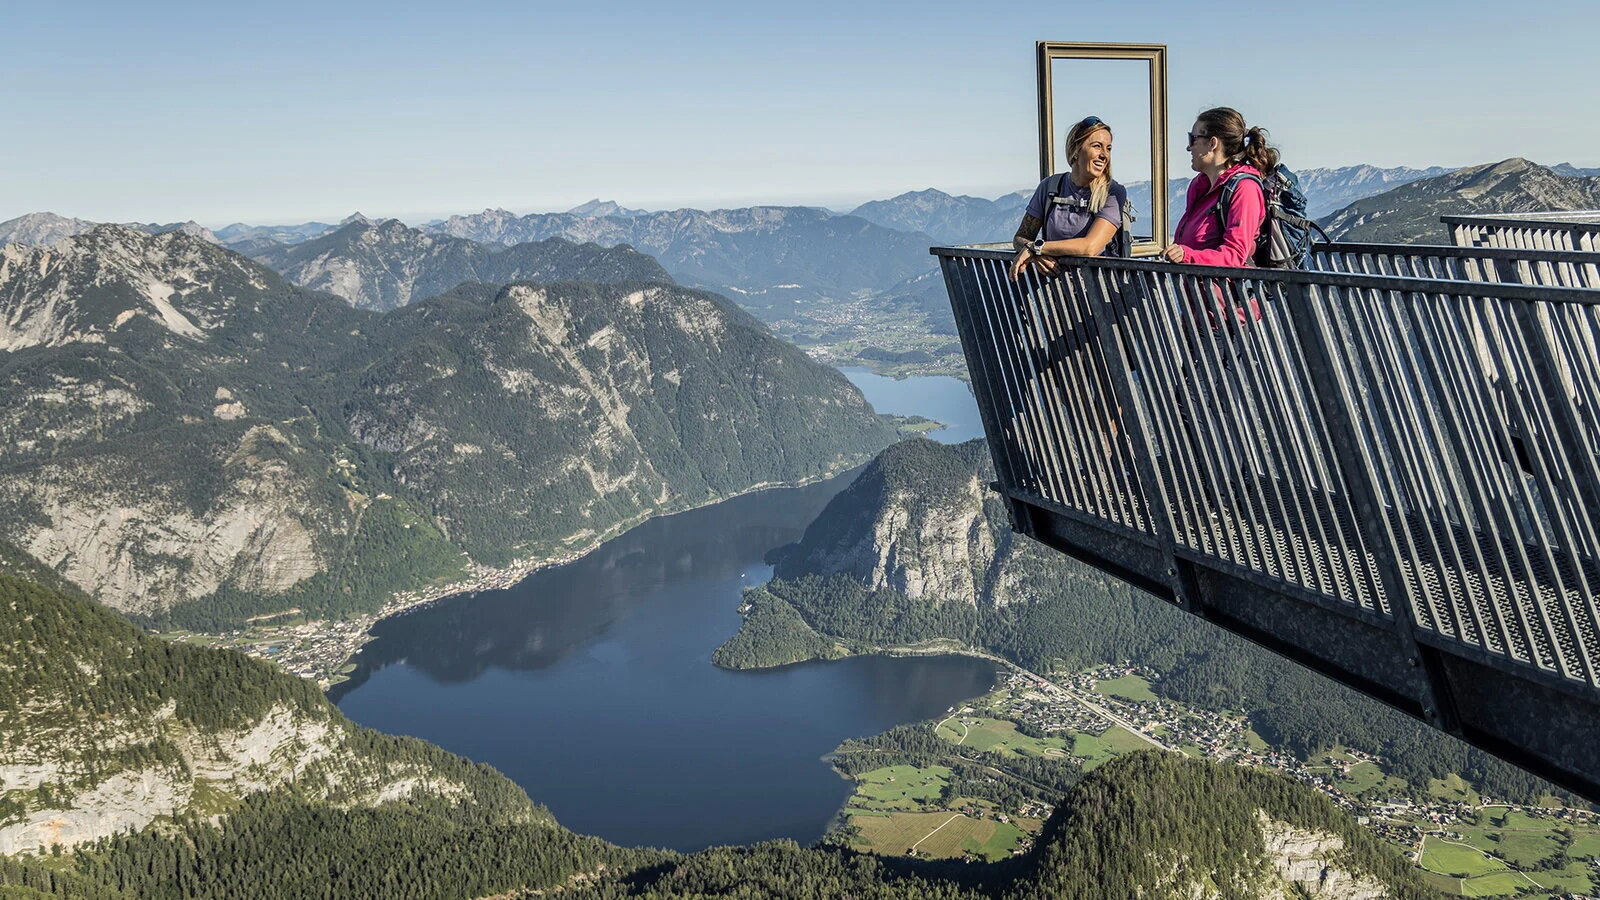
x=187 y=434
x=771 y=258
x=382 y=265
x=1410 y=214
x=43 y=229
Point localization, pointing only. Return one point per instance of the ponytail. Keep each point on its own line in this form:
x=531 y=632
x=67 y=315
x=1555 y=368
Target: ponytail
x=1241 y=144
x=1257 y=152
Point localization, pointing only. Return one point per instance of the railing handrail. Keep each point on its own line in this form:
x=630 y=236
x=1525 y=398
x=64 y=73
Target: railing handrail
x=1475 y=289
x=1572 y=257
x=1586 y=220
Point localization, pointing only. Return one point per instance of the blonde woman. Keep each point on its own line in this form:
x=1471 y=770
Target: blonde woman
x=1079 y=211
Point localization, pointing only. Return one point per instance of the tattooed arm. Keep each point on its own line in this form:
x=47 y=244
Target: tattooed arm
x=1023 y=241
x=1025 y=232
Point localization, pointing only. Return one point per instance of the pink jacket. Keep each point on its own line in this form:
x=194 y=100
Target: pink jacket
x=1205 y=241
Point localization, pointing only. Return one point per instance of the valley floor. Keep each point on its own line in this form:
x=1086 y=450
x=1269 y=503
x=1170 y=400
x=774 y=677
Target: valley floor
x=1463 y=843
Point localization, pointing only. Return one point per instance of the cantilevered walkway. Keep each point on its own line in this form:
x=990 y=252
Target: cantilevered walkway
x=1385 y=468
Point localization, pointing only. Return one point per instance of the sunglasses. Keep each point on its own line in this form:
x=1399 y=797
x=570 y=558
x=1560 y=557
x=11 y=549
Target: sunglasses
x=1092 y=120
x=1193 y=137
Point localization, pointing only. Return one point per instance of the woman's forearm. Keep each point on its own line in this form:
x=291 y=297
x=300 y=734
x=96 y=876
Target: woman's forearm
x=1084 y=246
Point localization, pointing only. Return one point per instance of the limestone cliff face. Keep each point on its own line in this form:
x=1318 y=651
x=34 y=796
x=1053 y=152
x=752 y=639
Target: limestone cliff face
x=1314 y=863
x=104 y=730
x=140 y=546
x=920 y=521
x=1163 y=826
x=1297 y=864
x=89 y=286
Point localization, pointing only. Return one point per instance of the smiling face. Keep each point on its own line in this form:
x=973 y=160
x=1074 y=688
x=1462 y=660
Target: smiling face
x=1092 y=157
x=1204 y=151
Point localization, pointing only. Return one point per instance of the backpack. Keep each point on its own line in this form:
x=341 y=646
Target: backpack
x=1121 y=244
x=1285 y=238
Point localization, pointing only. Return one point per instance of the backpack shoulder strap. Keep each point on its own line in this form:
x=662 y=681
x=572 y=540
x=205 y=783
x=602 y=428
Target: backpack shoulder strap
x=1232 y=185
x=1053 y=190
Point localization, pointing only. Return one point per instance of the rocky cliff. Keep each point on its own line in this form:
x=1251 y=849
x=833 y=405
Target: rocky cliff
x=919 y=521
x=104 y=731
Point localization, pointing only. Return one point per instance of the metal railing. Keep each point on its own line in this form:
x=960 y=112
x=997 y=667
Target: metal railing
x=1579 y=230
x=1392 y=479
x=1550 y=268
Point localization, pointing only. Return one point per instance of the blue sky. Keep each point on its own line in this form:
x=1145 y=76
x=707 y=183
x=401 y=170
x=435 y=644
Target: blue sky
x=282 y=112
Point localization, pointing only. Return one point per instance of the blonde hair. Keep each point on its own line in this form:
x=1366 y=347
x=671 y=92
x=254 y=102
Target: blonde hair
x=1100 y=188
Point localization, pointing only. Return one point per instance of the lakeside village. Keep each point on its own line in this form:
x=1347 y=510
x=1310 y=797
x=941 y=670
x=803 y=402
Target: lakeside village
x=322 y=650
x=1464 y=843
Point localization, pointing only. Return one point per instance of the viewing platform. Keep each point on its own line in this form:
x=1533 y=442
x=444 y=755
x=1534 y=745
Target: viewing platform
x=1528 y=231
x=1384 y=468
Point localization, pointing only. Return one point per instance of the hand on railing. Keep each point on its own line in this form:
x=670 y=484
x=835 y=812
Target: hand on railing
x=1173 y=253
x=1026 y=257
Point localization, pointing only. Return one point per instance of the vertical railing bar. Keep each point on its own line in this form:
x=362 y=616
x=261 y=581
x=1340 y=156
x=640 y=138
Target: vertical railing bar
x=1006 y=306
x=1158 y=330
x=1431 y=323
x=1112 y=334
x=1363 y=313
x=1545 y=334
x=1246 y=417
x=1263 y=373
x=1102 y=403
x=1450 y=488
x=1074 y=306
x=1041 y=303
x=1297 y=429
x=1476 y=439
x=1027 y=448
x=1217 y=436
x=1357 y=468
x=960 y=272
x=1071 y=397
x=1202 y=408
x=1546 y=381
x=1517 y=411
x=1405 y=399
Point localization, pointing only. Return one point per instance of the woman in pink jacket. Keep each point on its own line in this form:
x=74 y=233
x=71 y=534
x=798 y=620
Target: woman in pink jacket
x=1220 y=147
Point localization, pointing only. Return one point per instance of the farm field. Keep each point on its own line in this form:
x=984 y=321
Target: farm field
x=998 y=736
x=939 y=835
x=900 y=787
x=1095 y=750
x=1128 y=687
x=1464 y=867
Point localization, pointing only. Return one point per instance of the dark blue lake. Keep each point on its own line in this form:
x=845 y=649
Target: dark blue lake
x=591 y=685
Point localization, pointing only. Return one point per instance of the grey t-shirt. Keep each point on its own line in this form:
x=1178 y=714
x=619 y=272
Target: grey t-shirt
x=1070 y=216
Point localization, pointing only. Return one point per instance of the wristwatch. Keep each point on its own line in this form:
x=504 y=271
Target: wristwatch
x=1038 y=246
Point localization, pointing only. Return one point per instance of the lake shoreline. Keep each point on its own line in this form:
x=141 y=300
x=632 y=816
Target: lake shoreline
x=335 y=643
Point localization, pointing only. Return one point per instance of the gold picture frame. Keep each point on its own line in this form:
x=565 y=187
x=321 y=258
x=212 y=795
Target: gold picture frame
x=1156 y=56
